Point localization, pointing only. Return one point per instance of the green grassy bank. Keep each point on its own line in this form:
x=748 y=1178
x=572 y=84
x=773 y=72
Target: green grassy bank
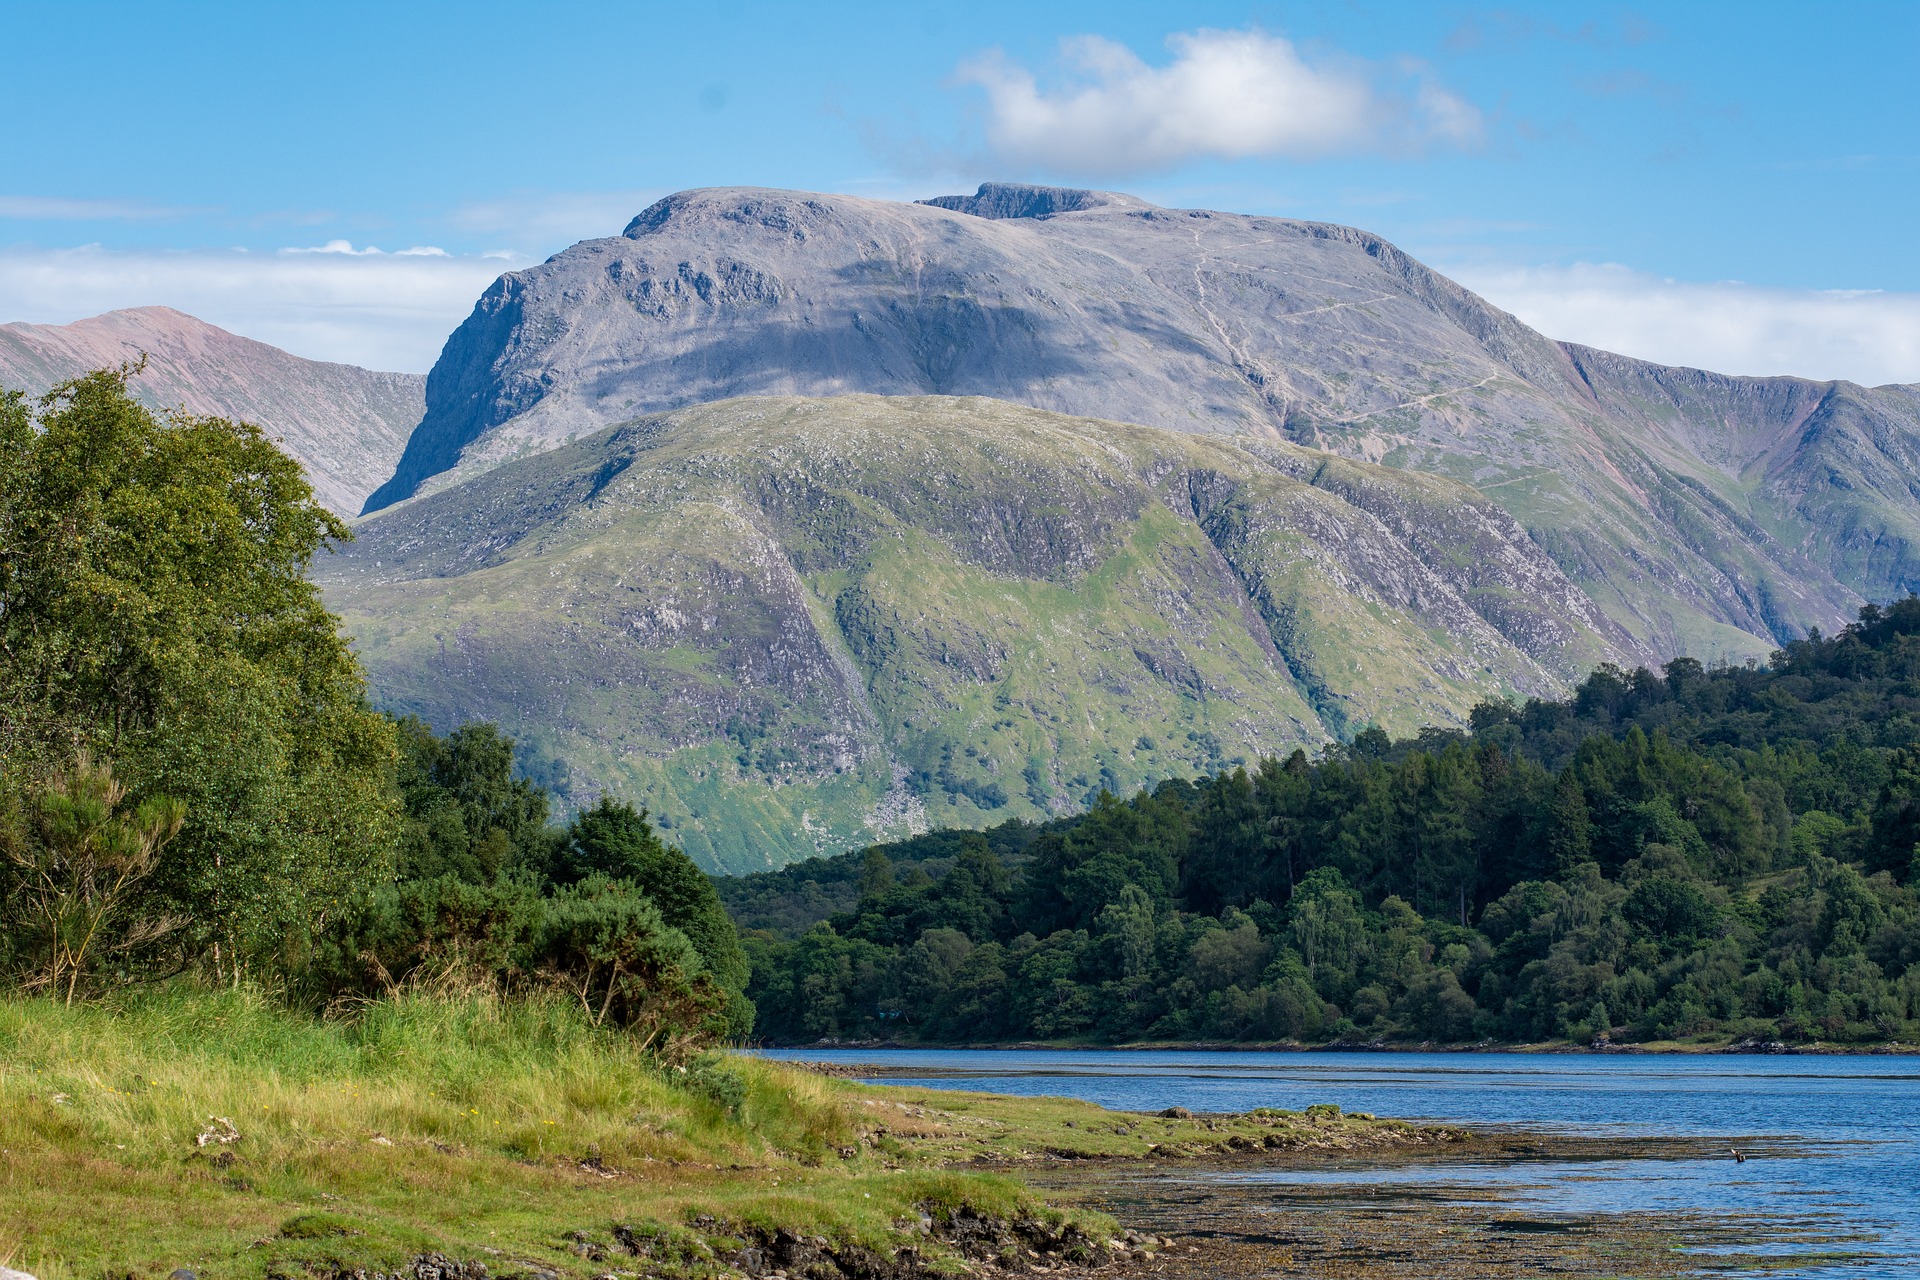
x=510 y=1134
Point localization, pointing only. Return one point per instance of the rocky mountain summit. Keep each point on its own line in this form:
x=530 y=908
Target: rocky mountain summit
x=1705 y=514
x=346 y=425
x=792 y=625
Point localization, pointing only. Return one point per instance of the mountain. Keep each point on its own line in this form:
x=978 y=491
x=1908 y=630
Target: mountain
x=346 y=425
x=792 y=625
x=1704 y=514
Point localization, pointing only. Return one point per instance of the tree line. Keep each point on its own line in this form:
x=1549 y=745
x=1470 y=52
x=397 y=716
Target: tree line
x=1723 y=850
x=193 y=782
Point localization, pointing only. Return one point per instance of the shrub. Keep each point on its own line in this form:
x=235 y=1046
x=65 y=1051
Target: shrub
x=78 y=860
x=600 y=942
x=717 y=1079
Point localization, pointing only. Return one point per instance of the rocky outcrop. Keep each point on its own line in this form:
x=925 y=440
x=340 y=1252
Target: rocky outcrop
x=1705 y=514
x=346 y=425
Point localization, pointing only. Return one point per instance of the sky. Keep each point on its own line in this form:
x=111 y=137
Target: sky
x=1725 y=185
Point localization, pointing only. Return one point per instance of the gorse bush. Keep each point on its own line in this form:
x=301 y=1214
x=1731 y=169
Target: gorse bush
x=1723 y=850
x=77 y=861
x=719 y=1080
x=600 y=942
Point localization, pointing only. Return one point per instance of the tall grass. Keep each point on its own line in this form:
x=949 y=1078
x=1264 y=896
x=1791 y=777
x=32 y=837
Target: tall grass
x=416 y=1123
x=525 y=1078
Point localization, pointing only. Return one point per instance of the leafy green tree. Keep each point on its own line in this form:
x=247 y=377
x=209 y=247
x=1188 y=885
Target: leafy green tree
x=1328 y=931
x=1893 y=841
x=467 y=815
x=1126 y=926
x=876 y=873
x=1670 y=909
x=155 y=609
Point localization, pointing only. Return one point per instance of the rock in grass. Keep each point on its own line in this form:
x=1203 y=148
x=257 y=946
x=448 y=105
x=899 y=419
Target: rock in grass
x=1176 y=1113
x=438 y=1266
x=8 y=1273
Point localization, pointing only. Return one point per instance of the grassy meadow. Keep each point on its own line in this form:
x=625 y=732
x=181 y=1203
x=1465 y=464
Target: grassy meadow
x=509 y=1133
x=480 y=1128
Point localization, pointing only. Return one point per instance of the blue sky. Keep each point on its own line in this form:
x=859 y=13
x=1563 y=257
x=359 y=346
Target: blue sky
x=1730 y=185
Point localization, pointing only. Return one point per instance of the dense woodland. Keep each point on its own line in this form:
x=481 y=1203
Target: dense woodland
x=193 y=784
x=1689 y=852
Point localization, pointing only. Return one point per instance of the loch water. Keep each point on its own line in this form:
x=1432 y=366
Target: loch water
x=1833 y=1141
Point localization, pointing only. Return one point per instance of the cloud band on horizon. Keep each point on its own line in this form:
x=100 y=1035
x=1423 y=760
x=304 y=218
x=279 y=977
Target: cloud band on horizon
x=1865 y=336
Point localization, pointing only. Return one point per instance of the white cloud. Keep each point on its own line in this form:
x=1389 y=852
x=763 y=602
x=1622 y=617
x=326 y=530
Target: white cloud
x=1226 y=94
x=1870 y=337
x=57 y=209
x=380 y=310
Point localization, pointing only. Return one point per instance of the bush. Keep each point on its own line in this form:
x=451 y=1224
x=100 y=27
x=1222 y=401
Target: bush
x=600 y=942
x=717 y=1079
x=78 y=860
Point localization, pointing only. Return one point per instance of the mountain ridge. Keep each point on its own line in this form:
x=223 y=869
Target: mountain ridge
x=1632 y=475
x=346 y=425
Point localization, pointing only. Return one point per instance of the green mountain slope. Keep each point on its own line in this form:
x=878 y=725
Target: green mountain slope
x=794 y=625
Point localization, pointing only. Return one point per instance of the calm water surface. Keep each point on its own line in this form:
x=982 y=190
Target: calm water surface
x=1839 y=1137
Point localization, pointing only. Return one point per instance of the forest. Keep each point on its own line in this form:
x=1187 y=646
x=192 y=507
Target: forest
x=1721 y=852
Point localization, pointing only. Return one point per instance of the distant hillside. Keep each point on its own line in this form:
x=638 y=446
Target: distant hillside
x=346 y=425
x=795 y=625
x=1711 y=515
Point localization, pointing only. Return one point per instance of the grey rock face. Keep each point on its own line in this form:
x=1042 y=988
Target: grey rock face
x=1703 y=514
x=346 y=425
x=1022 y=200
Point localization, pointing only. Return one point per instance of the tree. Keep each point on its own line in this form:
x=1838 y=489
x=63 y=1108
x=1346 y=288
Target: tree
x=1569 y=830
x=616 y=841
x=1894 y=841
x=1126 y=927
x=154 y=608
x=467 y=814
x=876 y=873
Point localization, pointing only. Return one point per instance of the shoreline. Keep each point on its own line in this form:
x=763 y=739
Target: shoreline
x=1739 y=1048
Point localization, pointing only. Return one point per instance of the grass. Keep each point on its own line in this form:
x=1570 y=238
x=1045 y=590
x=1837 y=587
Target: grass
x=507 y=1133
x=1000 y=1130
x=222 y=1132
